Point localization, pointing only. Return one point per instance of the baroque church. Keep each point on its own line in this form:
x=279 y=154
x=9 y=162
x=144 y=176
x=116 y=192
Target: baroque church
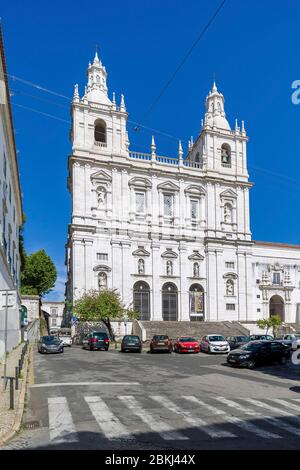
x=171 y=234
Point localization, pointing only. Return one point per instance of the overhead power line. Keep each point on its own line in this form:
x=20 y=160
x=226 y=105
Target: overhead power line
x=183 y=61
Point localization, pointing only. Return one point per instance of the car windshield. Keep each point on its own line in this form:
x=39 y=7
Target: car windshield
x=187 y=340
x=216 y=338
x=252 y=346
x=242 y=339
x=50 y=339
x=132 y=339
x=100 y=335
x=160 y=337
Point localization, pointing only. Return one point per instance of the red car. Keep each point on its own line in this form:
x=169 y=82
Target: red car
x=186 y=344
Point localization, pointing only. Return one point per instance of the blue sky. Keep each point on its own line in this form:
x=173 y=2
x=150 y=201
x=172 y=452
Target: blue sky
x=252 y=48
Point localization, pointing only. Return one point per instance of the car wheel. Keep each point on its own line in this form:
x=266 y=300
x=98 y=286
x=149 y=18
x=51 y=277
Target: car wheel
x=251 y=364
x=106 y=349
x=208 y=350
x=91 y=348
x=283 y=360
x=61 y=351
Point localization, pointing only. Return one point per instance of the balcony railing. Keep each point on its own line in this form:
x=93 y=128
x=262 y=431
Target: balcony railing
x=226 y=165
x=140 y=156
x=100 y=144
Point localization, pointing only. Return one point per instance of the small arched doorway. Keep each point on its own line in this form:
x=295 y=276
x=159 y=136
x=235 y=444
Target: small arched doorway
x=141 y=299
x=276 y=306
x=169 y=302
x=196 y=302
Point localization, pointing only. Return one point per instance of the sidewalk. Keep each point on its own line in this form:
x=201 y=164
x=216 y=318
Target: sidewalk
x=10 y=420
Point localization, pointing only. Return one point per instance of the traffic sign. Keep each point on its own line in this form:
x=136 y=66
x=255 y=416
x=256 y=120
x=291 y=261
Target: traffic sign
x=8 y=298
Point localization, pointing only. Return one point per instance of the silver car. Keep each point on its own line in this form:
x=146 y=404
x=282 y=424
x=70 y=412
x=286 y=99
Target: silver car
x=214 y=344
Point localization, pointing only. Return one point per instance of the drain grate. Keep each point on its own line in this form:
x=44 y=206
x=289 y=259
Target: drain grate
x=31 y=425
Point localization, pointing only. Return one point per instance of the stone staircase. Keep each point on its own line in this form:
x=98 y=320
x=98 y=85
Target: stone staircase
x=287 y=328
x=187 y=328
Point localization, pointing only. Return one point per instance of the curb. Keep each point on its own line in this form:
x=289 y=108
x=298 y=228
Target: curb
x=21 y=403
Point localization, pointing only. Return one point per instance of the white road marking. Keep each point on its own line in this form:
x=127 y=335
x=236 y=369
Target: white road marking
x=271 y=419
x=191 y=419
x=155 y=424
x=80 y=384
x=61 y=426
x=287 y=404
x=250 y=427
x=272 y=408
x=110 y=425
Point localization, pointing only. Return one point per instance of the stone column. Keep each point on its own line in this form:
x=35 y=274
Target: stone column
x=116 y=261
x=126 y=271
x=183 y=295
x=156 y=300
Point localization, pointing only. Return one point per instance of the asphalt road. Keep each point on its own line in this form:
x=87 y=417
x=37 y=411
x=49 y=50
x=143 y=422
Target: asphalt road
x=109 y=400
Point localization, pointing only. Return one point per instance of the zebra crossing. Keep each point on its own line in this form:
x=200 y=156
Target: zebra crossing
x=127 y=417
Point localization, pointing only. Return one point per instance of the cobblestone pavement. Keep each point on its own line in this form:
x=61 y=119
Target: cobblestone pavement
x=7 y=416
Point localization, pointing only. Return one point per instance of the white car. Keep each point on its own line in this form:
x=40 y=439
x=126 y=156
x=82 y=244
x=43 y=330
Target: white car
x=214 y=344
x=66 y=340
x=295 y=342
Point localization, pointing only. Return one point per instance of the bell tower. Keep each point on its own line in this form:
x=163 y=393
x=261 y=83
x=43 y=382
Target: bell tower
x=98 y=123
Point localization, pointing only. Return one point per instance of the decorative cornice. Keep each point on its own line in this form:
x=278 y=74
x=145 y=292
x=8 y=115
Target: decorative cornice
x=140 y=252
x=168 y=186
x=169 y=253
x=102 y=267
x=140 y=182
x=196 y=256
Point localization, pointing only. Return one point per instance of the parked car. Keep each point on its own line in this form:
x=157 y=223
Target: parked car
x=161 y=343
x=291 y=340
x=131 y=343
x=214 y=344
x=237 y=341
x=50 y=345
x=186 y=344
x=64 y=335
x=96 y=340
x=261 y=337
x=257 y=353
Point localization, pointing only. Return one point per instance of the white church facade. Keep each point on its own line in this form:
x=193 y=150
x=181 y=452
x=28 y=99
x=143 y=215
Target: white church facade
x=172 y=235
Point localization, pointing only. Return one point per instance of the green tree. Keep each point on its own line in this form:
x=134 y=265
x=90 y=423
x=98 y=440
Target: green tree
x=273 y=322
x=102 y=306
x=38 y=275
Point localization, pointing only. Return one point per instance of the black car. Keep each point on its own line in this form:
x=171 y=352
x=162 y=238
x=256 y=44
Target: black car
x=257 y=353
x=237 y=341
x=131 y=343
x=50 y=345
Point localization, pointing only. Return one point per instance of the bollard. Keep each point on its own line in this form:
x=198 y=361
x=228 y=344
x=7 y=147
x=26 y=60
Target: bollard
x=11 y=393
x=17 y=378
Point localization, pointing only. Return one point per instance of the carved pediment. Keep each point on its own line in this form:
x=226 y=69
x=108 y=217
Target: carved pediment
x=228 y=193
x=196 y=256
x=140 y=182
x=102 y=267
x=195 y=190
x=168 y=186
x=230 y=276
x=169 y=253
x=100 y=177
x=140 y=252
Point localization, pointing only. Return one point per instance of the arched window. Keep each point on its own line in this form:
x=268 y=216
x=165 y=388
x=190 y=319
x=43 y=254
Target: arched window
x=169 y=302
x=226 y=155
x=141 y=266
x=102 y=281
x=169 y=268
x=196 y=296
x=100 y=131
x=229 y=287
x=141 y=299
x=228 y=213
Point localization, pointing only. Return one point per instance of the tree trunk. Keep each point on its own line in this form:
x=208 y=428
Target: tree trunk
x=110 y=330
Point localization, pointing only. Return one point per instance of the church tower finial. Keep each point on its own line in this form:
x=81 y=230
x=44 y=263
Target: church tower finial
x=96 y=86
x=215 y=116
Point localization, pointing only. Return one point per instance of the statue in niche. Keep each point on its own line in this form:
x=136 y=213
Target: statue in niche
x=169 y=268
x=141 y=266
x=101 y=196
x=196 y=270
x=227 y=214
x=229 y=287
x=102 y=281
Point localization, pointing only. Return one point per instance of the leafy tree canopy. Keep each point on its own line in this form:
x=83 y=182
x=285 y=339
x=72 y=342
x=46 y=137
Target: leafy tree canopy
x=38 y=275
x=103 y=306
x=273 y=322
